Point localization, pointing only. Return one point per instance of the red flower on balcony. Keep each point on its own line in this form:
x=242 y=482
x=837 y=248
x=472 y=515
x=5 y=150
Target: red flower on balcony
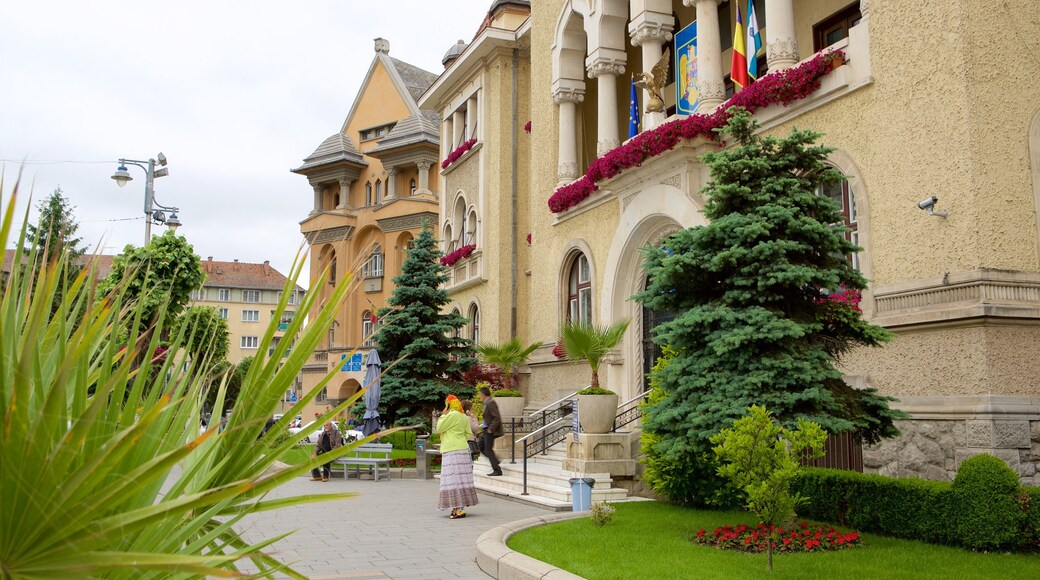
x=459 y=152
x=459 y=254
x=527 y=127
x=784 y=88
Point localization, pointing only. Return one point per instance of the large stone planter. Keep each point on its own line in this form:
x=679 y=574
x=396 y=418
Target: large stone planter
x=510 y=407
x=596 y=413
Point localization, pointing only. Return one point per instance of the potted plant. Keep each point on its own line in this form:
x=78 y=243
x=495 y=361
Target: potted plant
x=597 y=406
x=508 y=355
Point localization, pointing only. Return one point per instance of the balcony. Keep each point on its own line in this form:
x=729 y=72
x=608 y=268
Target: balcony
x=466 y=272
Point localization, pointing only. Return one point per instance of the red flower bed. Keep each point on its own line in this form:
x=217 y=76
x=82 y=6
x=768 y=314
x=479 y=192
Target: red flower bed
x=784 y=87
x=800 y=538
x=410 y=462
x=454 y=155
x=458 y=254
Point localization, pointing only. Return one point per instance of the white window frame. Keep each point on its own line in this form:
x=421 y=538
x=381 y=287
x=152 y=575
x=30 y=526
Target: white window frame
x=223 y=313
x=250 y=342
x=250 y=316
x=224 y=294
x=248 y=294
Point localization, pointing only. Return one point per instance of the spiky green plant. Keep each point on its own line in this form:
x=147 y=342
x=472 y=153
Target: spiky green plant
x=103 y=470
x=589 y=342
x=507 y=355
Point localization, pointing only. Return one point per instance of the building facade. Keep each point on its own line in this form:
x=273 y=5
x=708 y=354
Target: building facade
x=961 y=292
x=246 y=296
x=373 y=190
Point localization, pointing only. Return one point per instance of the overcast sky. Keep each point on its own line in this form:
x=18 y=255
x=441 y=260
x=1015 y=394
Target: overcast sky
x=233 y=93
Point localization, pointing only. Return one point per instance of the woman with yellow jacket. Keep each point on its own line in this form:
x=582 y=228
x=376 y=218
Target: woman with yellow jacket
x=457 y=490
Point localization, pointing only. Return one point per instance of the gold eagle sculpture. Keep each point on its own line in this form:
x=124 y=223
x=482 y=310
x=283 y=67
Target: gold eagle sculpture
x=653 y=82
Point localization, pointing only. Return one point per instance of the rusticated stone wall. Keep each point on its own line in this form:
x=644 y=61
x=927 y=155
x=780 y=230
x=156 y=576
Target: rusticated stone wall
x=933 y=449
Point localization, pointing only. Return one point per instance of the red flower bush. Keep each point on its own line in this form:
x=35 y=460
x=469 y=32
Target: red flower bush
x=458 y=254
x=800 y=538
x=454 y=155
x=784 y=87
x=848 y=297
x=558 y=351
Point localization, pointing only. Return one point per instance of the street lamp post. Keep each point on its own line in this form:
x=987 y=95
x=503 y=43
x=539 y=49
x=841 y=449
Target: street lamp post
x=121 y=176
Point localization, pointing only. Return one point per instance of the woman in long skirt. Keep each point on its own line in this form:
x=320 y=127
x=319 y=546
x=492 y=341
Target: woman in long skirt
x=457 y=489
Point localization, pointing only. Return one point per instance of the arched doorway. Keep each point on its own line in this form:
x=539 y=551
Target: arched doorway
x=651 y=350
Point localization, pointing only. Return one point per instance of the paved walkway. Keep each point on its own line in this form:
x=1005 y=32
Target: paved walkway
x=391 y=530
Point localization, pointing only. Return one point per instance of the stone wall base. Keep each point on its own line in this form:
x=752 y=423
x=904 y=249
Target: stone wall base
x=609 y=453
x=942 y=434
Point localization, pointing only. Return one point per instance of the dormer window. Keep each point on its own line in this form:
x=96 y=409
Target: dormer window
x=376 y=132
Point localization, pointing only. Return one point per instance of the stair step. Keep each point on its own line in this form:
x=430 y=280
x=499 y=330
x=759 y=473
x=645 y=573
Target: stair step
x=515 y=485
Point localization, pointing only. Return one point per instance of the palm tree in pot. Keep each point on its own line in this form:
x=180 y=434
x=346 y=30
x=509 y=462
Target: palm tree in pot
x=509 y=356
x=588 y=342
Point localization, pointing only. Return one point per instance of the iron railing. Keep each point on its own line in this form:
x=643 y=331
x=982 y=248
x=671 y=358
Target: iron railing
x=540 y=441
x=630 y=411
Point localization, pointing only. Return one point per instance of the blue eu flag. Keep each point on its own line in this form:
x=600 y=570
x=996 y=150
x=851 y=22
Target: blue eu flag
x=633 y=110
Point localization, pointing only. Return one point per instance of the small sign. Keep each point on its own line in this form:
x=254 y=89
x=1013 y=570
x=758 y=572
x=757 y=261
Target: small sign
x=353 y=364
x=575 y=426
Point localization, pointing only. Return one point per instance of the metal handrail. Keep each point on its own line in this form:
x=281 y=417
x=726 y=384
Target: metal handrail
x=642 y=395
x=627 y=413
x=554 y=403
x=532 y=433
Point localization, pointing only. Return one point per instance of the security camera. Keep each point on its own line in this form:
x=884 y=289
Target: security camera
x=928 y=203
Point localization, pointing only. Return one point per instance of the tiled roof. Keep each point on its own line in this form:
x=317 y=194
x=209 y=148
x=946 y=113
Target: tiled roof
x=103 y=262
x=337 y=147
x=415 y=79
x=243 y=275
x=421 y=128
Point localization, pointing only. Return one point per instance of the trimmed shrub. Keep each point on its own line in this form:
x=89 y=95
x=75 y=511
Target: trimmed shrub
x=905 y=507
x=989 y=515
x=506 y=393
x=1031 y=505
x=400 y=439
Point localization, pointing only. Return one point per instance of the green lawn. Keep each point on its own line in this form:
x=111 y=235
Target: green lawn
x=300 y=454
x=651 y=540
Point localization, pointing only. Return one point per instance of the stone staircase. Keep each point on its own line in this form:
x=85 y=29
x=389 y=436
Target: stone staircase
x=548 y=483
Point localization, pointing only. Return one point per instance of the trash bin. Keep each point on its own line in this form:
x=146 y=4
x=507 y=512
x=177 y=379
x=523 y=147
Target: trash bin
x=581 y=493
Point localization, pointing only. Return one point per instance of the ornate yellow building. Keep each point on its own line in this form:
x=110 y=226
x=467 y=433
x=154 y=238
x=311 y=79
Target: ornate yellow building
x=925 y=105
x=372 y=192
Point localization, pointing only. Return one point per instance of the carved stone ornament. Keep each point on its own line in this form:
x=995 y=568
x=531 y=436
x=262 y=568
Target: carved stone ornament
x=568 y=96
x=605 y=67
x=664 y=234
x=650 y=32
x=567 y=170
x=424 y=165
x=604 y=145
x=406 y=222
x=330 y=235
x=864 y=8
x=711 y=90
x=782 y=50
x=674 y=181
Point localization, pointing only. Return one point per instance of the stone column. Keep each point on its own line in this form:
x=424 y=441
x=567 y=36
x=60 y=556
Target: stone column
x=458 y=120
x=472 y=114
x=606 y=71
x=319 y=189
x=650 y=30
x=344 y=193
x=567 y=100
x=424 y=177
x=391 y=182
x=781 y=46
x=446 y=133
x=710 y=86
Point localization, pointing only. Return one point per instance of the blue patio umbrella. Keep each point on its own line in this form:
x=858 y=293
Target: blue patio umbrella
x=373 y=368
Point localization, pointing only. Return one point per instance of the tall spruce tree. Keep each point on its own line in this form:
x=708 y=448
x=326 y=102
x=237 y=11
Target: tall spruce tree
x=55 y=230
x=420 y=338
x=754 y=323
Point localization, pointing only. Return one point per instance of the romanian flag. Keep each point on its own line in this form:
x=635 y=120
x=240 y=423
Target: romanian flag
x=754 y=41
x=633 y=110
x=738 y=67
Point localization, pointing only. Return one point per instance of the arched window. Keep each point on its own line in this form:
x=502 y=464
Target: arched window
x=368 y=327
x=579 y=291
x=332 y=334
x=471 y=227
x=841 y=194
x=379 y=192
x=474 y=323
x=368 y=194
x=457 y=333
x=411 y=186
x=373 y=267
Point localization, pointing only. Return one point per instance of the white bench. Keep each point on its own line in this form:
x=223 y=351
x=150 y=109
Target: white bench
x=371 y=455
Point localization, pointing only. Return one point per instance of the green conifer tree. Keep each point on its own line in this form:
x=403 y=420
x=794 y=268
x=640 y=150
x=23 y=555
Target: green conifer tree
x=754 y=324
x=418 y=339
x=55 y=230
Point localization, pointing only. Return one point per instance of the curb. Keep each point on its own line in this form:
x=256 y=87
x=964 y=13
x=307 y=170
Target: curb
x=497 y=560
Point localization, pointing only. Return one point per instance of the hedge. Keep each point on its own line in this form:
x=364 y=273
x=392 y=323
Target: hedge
x=910 y=508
